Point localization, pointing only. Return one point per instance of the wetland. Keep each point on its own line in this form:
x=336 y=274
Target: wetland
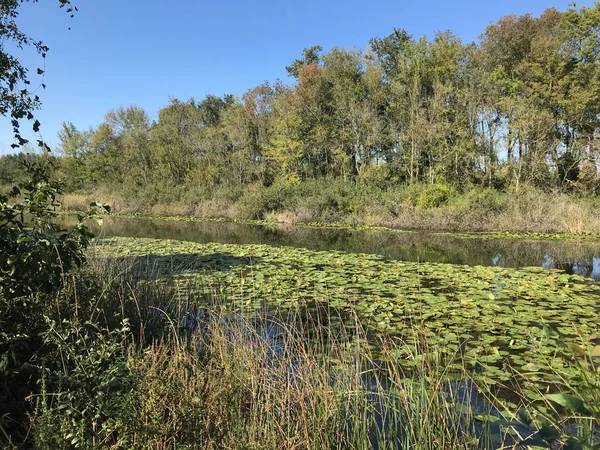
x=503 y=304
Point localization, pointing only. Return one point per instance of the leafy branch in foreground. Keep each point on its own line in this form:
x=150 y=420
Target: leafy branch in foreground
x=35 y=255
x=17 y=100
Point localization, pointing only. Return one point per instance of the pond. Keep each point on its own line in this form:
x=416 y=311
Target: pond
x=496 y=307
x=580 y=257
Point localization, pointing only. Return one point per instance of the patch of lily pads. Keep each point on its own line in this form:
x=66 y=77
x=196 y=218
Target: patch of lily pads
x=528 y=236
x=494 y=318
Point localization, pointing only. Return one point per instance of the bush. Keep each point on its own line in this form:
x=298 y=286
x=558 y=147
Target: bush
x=35 y=256
x=427 y=196
x=93 y=392
x=378 y=175
x=486 y=199
x=434 y=196
x=258 y=201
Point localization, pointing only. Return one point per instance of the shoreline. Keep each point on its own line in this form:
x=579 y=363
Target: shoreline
x=524 y=235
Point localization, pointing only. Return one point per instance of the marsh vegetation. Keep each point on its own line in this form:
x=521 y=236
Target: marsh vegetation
x=302 y=288
x=256 y=346
x=162 y=343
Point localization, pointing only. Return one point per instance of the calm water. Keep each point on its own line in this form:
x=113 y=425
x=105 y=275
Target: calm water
x=579 y=257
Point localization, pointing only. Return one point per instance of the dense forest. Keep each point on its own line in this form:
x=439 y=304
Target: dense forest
x=519 y=108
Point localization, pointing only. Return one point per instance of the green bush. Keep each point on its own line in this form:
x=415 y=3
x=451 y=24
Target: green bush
x=335 y=198
x=379 y=175
x=433 y=196
x=486 y=199
x=93 y=390
x=35 y=257
x=258 y=200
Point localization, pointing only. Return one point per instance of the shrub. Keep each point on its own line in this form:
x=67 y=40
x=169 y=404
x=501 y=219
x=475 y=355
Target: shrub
x=486 y=199
x=378 y=175
x=93 y=391
x=35 y=255
x=434 y=196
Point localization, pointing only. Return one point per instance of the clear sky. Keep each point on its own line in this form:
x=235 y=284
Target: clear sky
x=123 y=52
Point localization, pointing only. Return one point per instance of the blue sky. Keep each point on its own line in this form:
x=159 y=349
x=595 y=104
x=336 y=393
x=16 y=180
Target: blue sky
x=123 y=52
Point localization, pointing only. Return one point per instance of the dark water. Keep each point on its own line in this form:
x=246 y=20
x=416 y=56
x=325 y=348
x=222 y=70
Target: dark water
x=572 y=256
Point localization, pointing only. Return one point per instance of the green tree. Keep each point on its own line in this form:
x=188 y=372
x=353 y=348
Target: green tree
x=242 y=159
x=314 y=107
x=77 y=152
x=285 y=149
x=309 y=56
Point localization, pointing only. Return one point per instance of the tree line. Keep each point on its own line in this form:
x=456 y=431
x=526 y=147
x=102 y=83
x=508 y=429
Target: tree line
x=521 y=106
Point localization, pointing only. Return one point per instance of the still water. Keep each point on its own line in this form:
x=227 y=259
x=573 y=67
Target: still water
x=573 y=256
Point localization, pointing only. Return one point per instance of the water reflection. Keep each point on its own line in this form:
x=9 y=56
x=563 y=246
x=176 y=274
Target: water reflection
x=574 y=257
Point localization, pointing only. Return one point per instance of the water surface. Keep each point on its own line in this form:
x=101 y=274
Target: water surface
x=581 y=257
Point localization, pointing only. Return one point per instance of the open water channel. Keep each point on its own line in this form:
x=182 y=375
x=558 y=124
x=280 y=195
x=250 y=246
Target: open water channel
x=580 y=257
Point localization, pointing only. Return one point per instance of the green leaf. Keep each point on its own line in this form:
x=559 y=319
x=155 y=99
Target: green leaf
x=570 y=402
x=572 y=444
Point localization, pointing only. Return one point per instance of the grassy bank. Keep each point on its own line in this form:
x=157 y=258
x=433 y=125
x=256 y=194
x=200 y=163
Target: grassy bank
x=426 y=207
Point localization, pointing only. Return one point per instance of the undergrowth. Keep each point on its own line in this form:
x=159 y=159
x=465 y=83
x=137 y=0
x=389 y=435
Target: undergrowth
x=427 y=207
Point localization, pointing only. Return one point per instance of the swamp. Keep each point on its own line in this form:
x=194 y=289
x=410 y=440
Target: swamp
x=396 y=246
x=506 y=317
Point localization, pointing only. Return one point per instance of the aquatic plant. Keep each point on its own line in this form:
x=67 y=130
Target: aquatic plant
x=494 y=317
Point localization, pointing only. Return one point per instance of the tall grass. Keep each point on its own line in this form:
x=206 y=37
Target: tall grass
x=145 y=365
x=428 y=207
x=236 y=380
x=232 y=388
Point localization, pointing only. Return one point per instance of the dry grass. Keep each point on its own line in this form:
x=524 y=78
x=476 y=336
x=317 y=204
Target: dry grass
x=529 y=210
x=217 y=208
x=578 y=219
x=81 y=202
x=284 y=217
x=550 y=213
x=172 y=209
